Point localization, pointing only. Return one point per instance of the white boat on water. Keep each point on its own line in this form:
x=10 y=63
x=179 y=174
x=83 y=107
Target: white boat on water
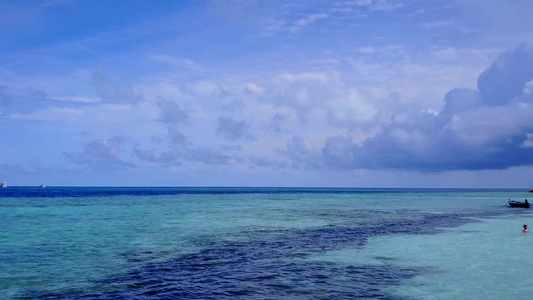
x=43 y=186
x=3 y=184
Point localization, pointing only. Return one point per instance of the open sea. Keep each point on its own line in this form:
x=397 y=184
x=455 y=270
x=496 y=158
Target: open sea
x=263 y=243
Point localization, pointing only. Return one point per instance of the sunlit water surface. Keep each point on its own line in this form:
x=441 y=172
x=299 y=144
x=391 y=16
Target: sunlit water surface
x=263 y=243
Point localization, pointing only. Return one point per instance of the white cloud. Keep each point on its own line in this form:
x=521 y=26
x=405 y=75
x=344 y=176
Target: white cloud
x=353 y=110
x=308 y=20
x=304 y=77
x=528 y=88
x=528 y=142
x=376 y=5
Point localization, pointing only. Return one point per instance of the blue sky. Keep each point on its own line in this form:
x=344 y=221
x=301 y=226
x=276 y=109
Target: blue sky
x=354 y=93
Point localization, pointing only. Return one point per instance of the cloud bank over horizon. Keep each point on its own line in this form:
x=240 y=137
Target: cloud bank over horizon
x=351 y=93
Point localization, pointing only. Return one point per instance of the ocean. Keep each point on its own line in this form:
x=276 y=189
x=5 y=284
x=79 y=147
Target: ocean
x=263 y=243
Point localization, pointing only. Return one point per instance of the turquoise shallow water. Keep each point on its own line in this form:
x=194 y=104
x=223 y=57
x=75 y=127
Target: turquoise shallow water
x=262 y=243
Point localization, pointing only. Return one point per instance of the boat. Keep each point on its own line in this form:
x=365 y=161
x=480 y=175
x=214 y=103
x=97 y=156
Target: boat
x=43 y=186
x=512 y=203
x=3 y=184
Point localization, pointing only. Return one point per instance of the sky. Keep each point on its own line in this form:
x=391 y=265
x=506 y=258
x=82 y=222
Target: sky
x=328 y=93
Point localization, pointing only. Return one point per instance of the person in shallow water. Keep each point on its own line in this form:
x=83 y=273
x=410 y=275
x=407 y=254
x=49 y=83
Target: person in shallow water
x=525 y=228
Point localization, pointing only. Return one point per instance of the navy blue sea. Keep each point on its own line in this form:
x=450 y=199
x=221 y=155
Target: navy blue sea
x=262 y=243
